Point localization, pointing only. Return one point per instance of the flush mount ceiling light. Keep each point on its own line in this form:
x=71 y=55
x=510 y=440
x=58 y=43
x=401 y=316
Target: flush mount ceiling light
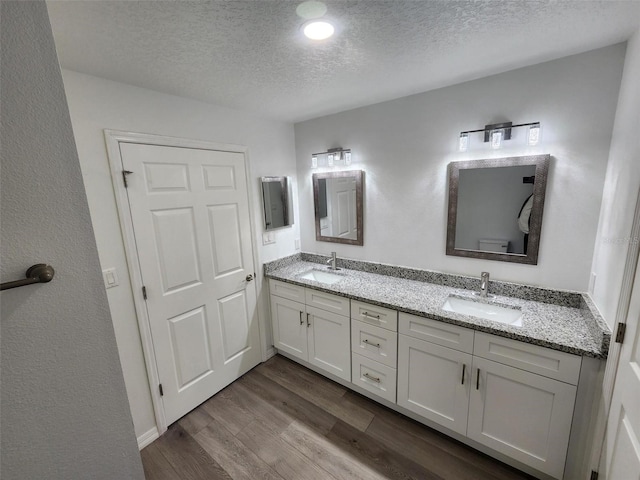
x=318 y=29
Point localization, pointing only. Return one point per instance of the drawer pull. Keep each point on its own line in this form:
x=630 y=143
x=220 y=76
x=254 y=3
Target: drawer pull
x=301 y=322
x=370 y=377
x=370 y=315
x=478 y=380
x=308 y=322
x=377 y=345
x=464 y=367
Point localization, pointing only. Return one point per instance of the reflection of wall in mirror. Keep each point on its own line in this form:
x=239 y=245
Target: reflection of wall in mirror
x=274 y=207
x=341 y=202
x=489 y=201
x=323 y=208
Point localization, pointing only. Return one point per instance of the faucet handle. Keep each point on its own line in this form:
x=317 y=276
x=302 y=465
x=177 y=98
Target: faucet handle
x=484 y=275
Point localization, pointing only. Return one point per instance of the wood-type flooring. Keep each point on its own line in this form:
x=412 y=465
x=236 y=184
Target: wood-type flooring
x=282 y=421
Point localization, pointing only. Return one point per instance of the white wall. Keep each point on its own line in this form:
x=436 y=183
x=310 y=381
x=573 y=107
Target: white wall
x=96 y=104
x=404 y=147
x=620 y=190
x=64 y=407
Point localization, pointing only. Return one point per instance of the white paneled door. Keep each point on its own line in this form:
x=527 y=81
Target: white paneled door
x=342 y=194
x=190 y=214
x=621 y=456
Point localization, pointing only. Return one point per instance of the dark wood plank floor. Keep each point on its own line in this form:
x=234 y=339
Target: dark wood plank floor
x=282 y=421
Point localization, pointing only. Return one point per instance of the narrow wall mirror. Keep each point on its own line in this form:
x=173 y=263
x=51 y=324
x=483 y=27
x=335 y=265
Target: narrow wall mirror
x=495 y=208
x=337 y=199
x=276 y=202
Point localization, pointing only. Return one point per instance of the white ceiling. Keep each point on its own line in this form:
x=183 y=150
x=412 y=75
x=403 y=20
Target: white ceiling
x=251 y=55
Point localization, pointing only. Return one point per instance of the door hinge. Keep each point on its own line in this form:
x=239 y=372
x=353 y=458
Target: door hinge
x=161 y=391
x=124 y=177
x=620 y=331
x=144 y=292
x=594 y=475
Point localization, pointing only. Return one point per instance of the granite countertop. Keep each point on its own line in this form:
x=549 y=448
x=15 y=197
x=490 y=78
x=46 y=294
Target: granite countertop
x=575 y=329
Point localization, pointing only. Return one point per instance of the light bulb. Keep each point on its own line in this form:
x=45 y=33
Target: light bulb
x=330 y=159
x=534 y=134
x=314 y=161
x=464 y=142
x=347 y=158
x=318 y=30
x=496 y=139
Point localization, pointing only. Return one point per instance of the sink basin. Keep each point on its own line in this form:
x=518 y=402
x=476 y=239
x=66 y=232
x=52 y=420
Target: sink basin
x=322 y=276
x=488 y=311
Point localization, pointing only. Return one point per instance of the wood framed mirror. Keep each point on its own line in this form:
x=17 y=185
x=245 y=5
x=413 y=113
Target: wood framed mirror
x=337 y=200
x=495 y=208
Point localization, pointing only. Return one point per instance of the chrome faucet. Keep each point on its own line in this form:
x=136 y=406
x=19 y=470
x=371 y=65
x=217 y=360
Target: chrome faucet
x=484 y=284
x=333 y=261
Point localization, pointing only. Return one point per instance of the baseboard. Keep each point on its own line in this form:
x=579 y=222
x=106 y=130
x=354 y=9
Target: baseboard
x=147 y=437
x=270 y=353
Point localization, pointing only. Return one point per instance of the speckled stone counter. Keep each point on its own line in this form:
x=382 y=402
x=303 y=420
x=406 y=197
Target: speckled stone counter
x=565 y=321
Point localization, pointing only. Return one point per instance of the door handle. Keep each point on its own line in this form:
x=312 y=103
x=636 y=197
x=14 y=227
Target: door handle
x=308 y=322
x=464 y=367
x=478 y=380
x=301 y=322
x=249 y=277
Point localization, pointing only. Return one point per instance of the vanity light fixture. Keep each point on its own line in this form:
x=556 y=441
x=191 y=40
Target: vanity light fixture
x=463 y=143
x=534 y=134
x=334 y=156
x=497 y=133
x=496 y=139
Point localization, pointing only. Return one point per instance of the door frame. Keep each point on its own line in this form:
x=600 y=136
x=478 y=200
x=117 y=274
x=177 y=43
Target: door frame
x=113 y=138
x=613 y=356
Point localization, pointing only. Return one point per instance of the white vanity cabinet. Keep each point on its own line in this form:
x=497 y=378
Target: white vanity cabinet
x=522 y=400
x=434 y=380
x=312 y=326
x=506 y=397
x=374 y=343
x=513 y=397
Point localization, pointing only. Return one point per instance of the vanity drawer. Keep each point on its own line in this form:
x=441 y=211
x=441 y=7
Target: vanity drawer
x=286 y=290
x=440 y=333
x=379 y=316
x=374 y=377
x=327 y=301
x=375 y=343
x=533 y=358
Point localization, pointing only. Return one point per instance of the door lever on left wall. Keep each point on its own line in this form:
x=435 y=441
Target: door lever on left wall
x=38 y=273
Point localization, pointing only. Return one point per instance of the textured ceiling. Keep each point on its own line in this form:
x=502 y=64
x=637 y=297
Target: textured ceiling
x=251 y=55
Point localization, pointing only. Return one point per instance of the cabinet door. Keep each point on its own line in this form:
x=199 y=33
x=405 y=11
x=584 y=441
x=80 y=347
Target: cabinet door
x=434 y=382
x=329 y=342
x=521 y=414
x=289 y=326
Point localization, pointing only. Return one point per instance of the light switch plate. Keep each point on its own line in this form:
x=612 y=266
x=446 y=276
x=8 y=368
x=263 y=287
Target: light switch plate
x=268 y=238
x=110 y=277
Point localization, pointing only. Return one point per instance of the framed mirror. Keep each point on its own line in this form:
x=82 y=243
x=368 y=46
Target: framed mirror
x=337 y=200
x=276 y=202
x=495 y=208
